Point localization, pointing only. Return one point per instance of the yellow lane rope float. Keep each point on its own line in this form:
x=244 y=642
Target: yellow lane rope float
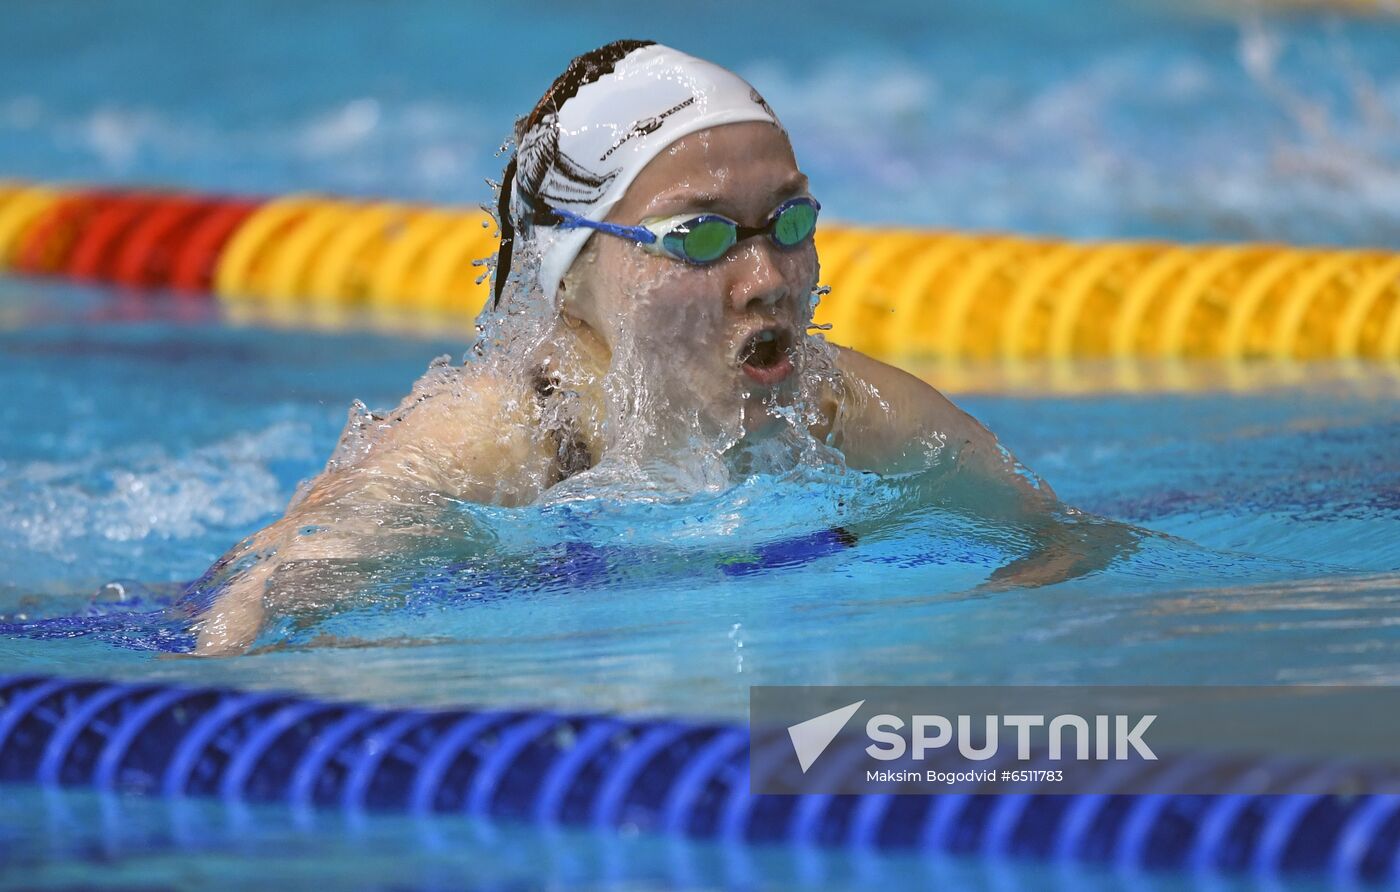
x=894 y=292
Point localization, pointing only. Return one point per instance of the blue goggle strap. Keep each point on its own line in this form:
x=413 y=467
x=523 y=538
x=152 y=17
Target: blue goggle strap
x=570 y=220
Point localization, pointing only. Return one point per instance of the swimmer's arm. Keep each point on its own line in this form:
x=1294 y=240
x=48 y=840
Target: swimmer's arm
x=455 y=447
x=890 y=422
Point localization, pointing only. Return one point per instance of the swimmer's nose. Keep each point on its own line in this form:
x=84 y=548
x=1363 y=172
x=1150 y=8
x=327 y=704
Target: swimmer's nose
x=758 y=283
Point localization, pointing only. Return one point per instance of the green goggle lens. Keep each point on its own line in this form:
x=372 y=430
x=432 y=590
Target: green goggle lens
x=795 y=224
x=708 y=240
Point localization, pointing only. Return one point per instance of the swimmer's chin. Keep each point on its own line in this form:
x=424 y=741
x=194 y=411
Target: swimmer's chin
x=759 y=422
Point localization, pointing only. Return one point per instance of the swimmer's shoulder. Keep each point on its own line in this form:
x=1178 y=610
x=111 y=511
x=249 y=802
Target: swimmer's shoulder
x=883 y=417
x=476 y=432
x=866 y=385
x=859 y=368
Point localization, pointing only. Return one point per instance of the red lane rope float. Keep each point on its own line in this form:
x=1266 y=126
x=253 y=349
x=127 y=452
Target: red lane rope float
x=147 y=255
x=46 y=245
x=198 y=255
x=98 y=243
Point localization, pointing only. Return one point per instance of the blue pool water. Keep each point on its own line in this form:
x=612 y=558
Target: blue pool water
x=62 y=840
x=139 y=450
x=126 y=459
x=141 y=437
x=1201 y=119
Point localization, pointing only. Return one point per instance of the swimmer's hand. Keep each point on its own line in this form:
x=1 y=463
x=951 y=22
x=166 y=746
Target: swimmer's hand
x=1073 y=547
x=310 y=569
x=1044 y=566
x=231 y=623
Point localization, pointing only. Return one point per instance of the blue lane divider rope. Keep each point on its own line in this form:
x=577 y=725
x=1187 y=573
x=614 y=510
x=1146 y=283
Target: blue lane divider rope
x=649 y=774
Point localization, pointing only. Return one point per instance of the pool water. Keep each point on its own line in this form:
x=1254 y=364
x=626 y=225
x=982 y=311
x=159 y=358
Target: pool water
x=138 y=446
x=62 y=840
x=141 y=436
x=1203 y=119
x=137 y=450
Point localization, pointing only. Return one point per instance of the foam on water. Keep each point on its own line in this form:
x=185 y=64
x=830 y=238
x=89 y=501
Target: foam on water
x=101 y=509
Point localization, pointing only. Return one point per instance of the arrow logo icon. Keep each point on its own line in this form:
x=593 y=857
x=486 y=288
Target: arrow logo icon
x=811 y=738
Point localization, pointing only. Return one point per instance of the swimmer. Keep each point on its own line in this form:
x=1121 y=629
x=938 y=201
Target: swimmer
x=653 y=297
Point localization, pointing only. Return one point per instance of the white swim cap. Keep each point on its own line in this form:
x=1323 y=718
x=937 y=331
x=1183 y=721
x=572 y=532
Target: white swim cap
x=581 y=152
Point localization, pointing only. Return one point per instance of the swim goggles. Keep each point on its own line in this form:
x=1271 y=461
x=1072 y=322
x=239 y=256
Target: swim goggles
x=705 y=238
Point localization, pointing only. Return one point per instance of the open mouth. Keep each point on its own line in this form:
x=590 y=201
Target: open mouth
x=766 y=355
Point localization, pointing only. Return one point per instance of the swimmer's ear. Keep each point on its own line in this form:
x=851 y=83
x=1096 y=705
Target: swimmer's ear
x=567 y=311
x=571 y=292
x=574 y=295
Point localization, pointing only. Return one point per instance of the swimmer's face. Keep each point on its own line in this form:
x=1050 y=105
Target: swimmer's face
x=722 y=337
